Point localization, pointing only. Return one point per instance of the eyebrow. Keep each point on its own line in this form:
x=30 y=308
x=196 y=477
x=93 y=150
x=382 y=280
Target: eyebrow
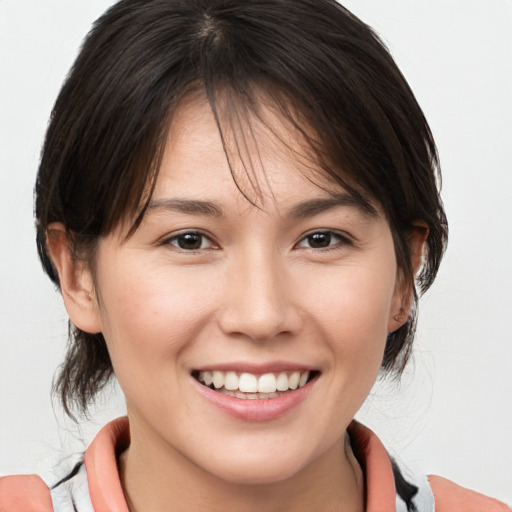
x=321 y=205
x=189 y=206
x=300 y=211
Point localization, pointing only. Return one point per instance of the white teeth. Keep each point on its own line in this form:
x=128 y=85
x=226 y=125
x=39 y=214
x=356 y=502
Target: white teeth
x=218 y=379
x=249 y=396
x=293 y=381
x=303 y=379
x=248 y=383
x=282 y=383
x=231 y=381
x=206 y=377
x=268 y=385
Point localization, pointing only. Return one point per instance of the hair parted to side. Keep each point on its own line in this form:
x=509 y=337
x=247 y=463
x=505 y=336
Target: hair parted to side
x=326 y=72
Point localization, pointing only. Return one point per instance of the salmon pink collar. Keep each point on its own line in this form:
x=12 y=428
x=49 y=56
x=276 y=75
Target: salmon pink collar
x=377 y=469
x=107 y=494
x=102 y=469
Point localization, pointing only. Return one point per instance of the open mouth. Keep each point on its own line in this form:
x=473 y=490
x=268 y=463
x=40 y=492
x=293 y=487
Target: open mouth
x=256 y=387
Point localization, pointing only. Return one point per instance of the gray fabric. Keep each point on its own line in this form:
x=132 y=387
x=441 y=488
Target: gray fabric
x=73 y=494
x=424 y=499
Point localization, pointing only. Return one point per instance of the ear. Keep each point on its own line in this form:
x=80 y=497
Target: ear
x=75 y=279
x=402 y=300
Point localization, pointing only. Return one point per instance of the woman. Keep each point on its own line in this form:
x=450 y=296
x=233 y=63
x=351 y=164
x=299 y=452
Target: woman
x=237 y=200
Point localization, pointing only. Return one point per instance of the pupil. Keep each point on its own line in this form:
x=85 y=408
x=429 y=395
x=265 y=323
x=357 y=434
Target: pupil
x=319 y=240
x=190 y=241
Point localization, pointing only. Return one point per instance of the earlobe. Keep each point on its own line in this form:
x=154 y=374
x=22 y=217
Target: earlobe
x=404 y=288
x=400 y=312
x=75 y=279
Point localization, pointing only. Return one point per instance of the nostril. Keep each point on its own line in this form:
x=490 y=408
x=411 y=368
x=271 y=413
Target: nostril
x=260 y=310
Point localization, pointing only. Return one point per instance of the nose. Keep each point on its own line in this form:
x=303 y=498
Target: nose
x=259 y=299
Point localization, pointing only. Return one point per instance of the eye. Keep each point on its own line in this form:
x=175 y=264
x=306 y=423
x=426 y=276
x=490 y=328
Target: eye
x=190 y=241
x=323 y=240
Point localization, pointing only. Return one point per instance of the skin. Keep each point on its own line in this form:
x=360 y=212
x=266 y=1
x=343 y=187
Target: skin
x=255 y=291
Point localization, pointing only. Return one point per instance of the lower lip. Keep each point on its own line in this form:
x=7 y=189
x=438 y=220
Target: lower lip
x=264 y=409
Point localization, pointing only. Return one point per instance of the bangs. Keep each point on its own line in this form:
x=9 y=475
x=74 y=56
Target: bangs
x=241 y=119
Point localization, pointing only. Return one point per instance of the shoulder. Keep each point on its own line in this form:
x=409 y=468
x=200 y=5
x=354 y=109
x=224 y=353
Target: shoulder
x=393 y=486
x=30 y=493
x=76 y=481
x=24 y=493
x=450 y=497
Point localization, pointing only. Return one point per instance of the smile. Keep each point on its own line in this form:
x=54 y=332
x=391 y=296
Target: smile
x=256 y=394
x=254 y=387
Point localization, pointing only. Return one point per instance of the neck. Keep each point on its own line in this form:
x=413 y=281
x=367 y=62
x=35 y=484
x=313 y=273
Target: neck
x=154 y=477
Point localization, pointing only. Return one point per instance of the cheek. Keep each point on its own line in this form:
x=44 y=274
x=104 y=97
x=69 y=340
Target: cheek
x=352 y=312
x=151 y=316
x=355 y=301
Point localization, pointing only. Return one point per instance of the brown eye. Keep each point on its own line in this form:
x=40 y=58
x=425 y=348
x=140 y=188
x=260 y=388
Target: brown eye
x=319 y=240
x=190 y=241
x=322 y=240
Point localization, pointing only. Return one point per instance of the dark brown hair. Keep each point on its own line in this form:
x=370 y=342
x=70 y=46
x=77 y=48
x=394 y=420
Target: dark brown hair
x=326 y=71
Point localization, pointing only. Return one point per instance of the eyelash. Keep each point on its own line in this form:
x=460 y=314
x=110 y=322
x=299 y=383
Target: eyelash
x=174 y=241
x=342 y=240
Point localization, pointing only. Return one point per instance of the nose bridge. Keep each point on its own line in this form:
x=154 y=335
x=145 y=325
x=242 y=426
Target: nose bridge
x=258 y=299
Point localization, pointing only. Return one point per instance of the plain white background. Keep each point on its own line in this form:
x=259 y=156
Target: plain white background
x=452 y=414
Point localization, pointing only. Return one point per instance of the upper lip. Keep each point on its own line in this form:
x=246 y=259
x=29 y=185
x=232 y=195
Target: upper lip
x=255 y=368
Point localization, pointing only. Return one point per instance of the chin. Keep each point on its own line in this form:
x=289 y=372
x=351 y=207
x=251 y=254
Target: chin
x=266 y=474
x=255 y=467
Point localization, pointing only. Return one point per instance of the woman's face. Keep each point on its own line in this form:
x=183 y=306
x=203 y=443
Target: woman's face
x=212 y=286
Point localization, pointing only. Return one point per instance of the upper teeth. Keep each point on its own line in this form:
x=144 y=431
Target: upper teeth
x=250 y=383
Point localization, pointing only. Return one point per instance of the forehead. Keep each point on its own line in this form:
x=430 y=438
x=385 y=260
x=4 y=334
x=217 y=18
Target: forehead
x=254 y=155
